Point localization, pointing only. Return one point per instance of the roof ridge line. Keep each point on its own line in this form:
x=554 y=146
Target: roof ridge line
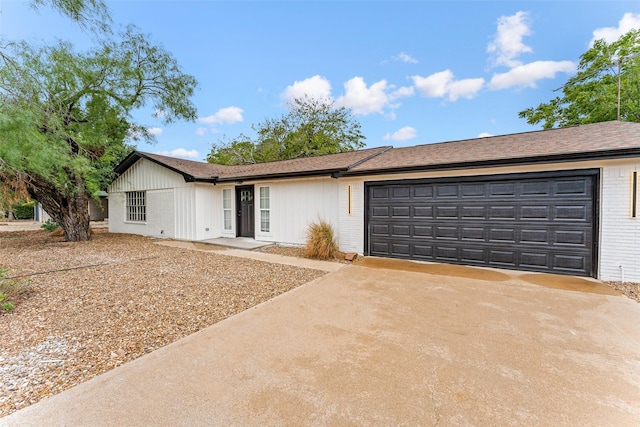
x=366 y=159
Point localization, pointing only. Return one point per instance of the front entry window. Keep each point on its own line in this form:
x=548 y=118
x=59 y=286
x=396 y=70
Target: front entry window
x=246 y=196
x=226 y=208
x=265 y=214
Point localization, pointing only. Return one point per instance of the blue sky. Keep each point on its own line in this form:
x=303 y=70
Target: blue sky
x=413 y=72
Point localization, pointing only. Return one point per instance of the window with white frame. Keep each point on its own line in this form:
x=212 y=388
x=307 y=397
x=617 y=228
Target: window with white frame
x=226 y=208
x=136 y=206
x=265 y=220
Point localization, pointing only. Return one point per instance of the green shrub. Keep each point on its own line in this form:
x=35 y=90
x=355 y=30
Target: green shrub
x=10 y=290
x=320 y=241
x=49 y=226
x=24 y=211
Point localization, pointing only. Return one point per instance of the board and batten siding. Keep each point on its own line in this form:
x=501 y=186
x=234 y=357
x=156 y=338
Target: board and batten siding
x=619 y=231
x=294 y=204
x=161 y=186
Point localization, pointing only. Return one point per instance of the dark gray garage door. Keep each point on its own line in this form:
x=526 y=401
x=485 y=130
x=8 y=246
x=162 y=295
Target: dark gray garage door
x=537 y=222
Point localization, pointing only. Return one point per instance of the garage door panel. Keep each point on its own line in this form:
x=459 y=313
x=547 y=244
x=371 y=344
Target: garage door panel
x=502 y=235
x=472 y=190
x=502 y=257
x=423 y=231
x=425 y=212
x=423 y=191
x=400 y=231
x=446 y=253
x=538 y=223
x=573 y=187
x=535 y=213
x=424 y=252
x=536 y=189
x=445 y=212
x=571 y=213
x=534 y=236
x=572 y=238
x=400 y=249
x=445 y=191
x=380 y=212
x=572 y=263
x=380 y=193
x=474 y=256
x=534 y=260
x=472 y=233
x=502 y=189
x=502 y=212
x=380 y=229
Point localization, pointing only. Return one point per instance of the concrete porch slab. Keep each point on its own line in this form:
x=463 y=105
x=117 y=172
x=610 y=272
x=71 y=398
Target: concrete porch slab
x=245 y=243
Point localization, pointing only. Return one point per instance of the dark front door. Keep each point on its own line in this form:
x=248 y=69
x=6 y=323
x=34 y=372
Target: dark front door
x=245 y=211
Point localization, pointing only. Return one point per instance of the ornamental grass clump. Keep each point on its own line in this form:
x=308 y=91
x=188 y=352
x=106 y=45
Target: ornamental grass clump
x=320 y=241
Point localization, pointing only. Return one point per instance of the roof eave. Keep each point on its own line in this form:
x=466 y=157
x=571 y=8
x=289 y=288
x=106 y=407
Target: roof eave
x=284 y=175
x=572 y=157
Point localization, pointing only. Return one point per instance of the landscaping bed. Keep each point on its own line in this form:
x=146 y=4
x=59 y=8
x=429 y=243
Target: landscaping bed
x=92 y=306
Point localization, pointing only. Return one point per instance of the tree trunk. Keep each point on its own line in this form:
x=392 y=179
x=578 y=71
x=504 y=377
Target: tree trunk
x=71 y=212
x=75 y=219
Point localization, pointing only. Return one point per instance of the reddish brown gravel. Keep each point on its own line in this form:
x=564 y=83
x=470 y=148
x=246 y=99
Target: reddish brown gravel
x=92 y=306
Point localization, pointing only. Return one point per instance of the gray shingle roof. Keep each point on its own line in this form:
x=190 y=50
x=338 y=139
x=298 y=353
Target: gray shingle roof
x=598 y=140
x=570 y=143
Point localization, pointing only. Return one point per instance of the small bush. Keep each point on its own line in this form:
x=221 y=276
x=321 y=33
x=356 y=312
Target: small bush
x=49 y=226
x=320 y=241
x=10 y=290
x=24 y=211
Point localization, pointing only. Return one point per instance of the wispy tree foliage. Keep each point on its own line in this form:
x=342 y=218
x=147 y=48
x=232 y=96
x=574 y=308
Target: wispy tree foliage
x=65 y=117
x=311 y=128
x=591 y=95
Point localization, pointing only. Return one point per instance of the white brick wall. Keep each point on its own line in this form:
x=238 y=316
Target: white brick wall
x=619 y=232
x=351 y=224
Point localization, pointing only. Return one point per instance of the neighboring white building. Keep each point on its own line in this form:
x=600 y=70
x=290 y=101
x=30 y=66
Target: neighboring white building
x=560 y=201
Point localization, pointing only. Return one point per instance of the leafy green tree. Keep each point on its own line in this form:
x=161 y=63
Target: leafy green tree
x=310 y=128
x=65 y=118
x=591 y=95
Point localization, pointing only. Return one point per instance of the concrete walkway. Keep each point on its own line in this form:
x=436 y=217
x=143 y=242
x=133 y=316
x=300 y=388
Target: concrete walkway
x=208 y=246
x=380 y=345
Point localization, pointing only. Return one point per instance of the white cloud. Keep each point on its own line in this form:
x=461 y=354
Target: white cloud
x=316 y=87
x=435 y=85
x=405 y=57
x=441 y=84
x=485 y=135
x=363 y=100
x=401 y=134
x=507 y=44
x=527 y=75
x=155 y=131
x=630 y=21
x=201 y=131
x=402 y=92
x=229 y=115
x=180 y=152
x=467 y=88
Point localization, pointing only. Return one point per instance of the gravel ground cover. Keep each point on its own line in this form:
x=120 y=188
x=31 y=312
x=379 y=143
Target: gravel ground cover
x=92 y=306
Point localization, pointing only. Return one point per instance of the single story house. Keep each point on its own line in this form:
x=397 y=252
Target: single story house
x=560 y=201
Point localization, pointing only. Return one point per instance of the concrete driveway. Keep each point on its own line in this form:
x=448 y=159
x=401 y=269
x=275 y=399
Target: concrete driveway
x=378 y=344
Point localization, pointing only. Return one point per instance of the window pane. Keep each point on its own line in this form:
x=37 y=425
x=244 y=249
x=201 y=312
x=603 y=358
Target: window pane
x=264 y=221
x=264 y=197
x=226 y=198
